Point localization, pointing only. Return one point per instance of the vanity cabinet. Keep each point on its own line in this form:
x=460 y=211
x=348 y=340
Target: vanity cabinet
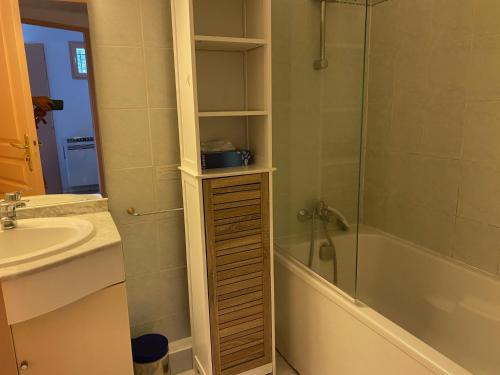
x=67 y=313
x=90 y=336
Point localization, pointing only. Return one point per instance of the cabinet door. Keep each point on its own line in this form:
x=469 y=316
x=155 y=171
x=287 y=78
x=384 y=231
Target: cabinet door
x=90 y=336
x=239 y=280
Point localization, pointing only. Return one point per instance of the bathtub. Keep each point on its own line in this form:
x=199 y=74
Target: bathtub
x=415 y=312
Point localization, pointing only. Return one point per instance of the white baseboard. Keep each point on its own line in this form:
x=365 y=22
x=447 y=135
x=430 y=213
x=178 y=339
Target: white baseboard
x=181 y=355
x=199 y=367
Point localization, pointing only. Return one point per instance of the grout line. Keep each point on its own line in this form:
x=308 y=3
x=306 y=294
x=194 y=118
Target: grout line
x=136 y=108
x=151 y=149
x=131 y=46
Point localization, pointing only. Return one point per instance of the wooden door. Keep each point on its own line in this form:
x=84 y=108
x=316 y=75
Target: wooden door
x=90 y=336
x=39 y=83
x=239 y=275
x=20 y=166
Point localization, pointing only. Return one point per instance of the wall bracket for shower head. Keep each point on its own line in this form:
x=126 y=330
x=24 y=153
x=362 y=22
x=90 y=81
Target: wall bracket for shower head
x=322 y=63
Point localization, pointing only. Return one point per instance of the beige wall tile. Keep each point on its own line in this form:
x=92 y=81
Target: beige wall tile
x=404 y=173
x=411 y=68
x=130 y=188
x=140 y=244
x=153 y=245
x=346 y=24
x=433 y=229
x=447 y=69
x=414 y=19
x=384 y=23
x=379 y=114
x=151 y=300
x=434 y=65
x=125 y=137
x=399 y=218
x=381 y=73
x=120 y=78
x=174 y=327
x=341 y=134
x=165 y=136
x=374 y=208
x=281 y=82
x=486 y=17
x=479 y=191
x=437 y=185
x=342 y=176
x=482 y=131
x=115 y=22
x=483 y=80
x=156 y=23
x=343 y=80
x=477 y=244
x=452 y=19
x=408 y=118
x=168 y=187
x=160 y=78
x=145 y=296
x=442 y=133
x=175 y=298
x=171 y=244
x=376 y=172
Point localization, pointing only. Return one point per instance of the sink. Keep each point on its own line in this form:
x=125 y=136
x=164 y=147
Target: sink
x=37 y=238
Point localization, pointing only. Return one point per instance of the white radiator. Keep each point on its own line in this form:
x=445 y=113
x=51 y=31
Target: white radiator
x=81 y=161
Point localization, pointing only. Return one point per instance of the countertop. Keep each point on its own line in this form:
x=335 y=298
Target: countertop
x=105 y=235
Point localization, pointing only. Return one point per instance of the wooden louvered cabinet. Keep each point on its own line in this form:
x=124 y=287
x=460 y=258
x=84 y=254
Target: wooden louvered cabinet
x=239 y=276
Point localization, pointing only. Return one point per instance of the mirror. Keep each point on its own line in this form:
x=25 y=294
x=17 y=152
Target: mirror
x=58 y=55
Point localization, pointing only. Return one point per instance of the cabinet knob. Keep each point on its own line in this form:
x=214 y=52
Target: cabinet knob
x=24 y=365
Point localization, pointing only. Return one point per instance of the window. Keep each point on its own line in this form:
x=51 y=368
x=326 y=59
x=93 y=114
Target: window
x=78 y=56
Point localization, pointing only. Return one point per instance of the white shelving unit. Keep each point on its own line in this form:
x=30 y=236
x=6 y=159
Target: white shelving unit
x=223 y=70
x=224 y=43
x=232 y=113
x=222 y=54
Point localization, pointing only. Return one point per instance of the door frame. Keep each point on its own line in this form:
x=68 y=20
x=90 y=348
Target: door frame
x=91 y=83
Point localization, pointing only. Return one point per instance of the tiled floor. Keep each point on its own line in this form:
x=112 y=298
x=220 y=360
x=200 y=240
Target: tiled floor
x=282 y=368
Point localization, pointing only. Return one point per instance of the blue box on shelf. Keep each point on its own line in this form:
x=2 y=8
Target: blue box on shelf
x=225 y=159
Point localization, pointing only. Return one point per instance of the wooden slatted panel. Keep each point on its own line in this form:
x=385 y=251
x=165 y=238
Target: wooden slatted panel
x=238 y=251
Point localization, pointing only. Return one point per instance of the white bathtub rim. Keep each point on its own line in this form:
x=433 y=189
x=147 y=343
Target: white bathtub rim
x=410 y=345
x=366 y=230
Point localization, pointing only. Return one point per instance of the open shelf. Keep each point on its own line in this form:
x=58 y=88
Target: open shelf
x=223 y=43
x=232 y=113
x=231 y=18
x=231 y=81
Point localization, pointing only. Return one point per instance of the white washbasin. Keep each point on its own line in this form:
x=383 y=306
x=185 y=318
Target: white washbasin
x=37 y=238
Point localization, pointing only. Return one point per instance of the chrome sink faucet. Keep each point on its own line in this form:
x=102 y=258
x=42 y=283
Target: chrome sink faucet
x=8 y=217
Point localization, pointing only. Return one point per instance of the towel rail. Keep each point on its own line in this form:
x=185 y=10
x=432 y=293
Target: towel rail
x=132 y=211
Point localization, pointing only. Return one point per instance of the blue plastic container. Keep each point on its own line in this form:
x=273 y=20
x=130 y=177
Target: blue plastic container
x=225 y=159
